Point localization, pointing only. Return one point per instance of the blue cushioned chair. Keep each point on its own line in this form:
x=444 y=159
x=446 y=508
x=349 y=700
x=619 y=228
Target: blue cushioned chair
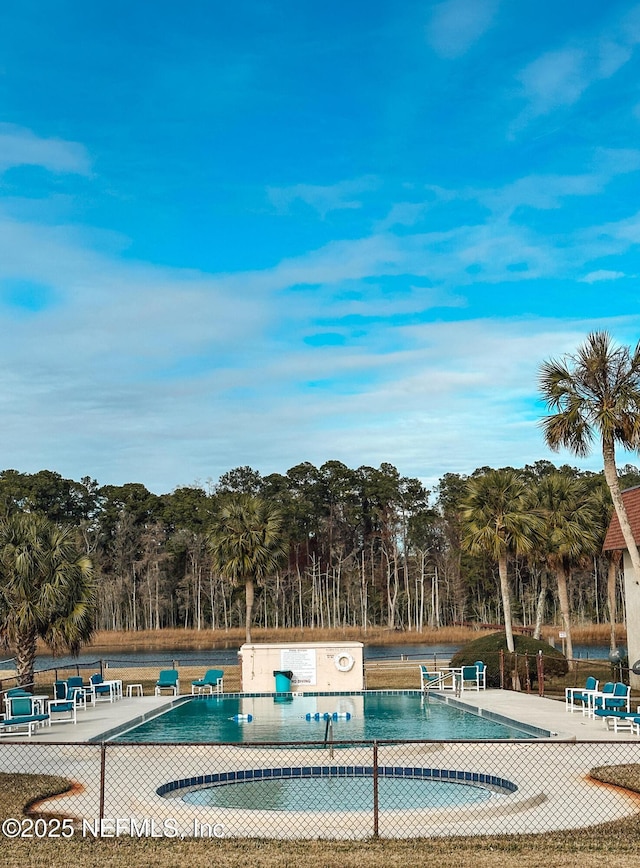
x=213 y=681
x=101 y=691
x=64 y=702
x=578 y=697
x=21 y=715
x=168 y=680
x=429 y=678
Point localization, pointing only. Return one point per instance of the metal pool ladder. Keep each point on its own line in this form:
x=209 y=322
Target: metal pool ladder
x=328 y=736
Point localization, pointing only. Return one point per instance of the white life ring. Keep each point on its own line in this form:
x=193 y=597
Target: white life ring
x=344 y=661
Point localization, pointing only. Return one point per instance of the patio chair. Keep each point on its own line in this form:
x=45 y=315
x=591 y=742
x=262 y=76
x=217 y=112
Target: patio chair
x=470 y=677
x=168 y=680
x=213 y=681
x=597 y=700
x=574 y=695
x=65 y=701
x=63 y=692
x=102 y=692
x=21 y=714
x=76 y=682
x=15 y=691
x=482 y=674
x=619 y=700
x=429 y=678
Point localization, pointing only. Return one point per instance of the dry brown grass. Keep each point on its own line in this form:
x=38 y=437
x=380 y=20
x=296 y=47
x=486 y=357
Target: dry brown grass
x=207 y=639
x=614 y=843
x=196 y=640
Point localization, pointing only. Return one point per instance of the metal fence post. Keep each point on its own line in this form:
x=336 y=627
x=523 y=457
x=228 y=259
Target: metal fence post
x=375 y=789
x=540 y=664
x=103 y=753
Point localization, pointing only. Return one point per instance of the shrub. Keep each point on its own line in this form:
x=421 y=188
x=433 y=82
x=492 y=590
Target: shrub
x=488 y=649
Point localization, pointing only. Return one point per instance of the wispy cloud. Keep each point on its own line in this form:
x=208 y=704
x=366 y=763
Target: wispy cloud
x=323 y=199
x=550 y=191
x=602 y=274
x=457 y=24
x=558 y=78
x=22 y=147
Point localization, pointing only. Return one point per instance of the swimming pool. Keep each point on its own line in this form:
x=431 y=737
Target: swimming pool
x=374 y=715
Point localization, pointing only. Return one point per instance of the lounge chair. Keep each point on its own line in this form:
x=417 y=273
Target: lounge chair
x=618 y=720
x=213 y=681
x=168 y=680
x=619 y=699
x=102 y=692
x=471 y=677
x=482 y=674
x=597 y=699
x=21 y=714
x=575 y=695
x=76 y=682
x=65 y=701
x=430 y=679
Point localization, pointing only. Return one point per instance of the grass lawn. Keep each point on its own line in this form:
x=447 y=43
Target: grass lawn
x=613 y=844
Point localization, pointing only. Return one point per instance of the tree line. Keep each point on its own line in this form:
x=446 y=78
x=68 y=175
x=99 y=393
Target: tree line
x=363 y=547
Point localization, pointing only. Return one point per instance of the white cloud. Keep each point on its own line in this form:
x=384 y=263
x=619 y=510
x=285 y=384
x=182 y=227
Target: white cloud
x=323 y=199
x=457 y=24
x=602 y=274
x=21 y=147
x=558 y=78
x=555 y=79
x=548 y=191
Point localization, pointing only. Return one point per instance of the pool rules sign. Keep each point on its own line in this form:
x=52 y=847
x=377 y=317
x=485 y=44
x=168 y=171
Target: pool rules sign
x=302 y=662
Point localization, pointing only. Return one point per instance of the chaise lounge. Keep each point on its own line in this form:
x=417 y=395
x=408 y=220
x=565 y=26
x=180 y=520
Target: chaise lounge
x=168 y=680
x=213 y=681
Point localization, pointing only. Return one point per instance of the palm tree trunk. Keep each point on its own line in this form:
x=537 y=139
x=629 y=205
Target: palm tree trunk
x=248 y=589
x=612 y=572
x=506 y=600
x=563 y=598
x=25 y=651
x=540 y=608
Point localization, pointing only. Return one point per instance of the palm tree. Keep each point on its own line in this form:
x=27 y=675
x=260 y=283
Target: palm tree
x=246 y=544
x=595 y=392
x=46 y=590
x=497 y=522
x=569 y=534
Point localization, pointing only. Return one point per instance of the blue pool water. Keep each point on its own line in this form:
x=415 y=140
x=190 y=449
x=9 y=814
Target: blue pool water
x=382 y=716
x=341 y=793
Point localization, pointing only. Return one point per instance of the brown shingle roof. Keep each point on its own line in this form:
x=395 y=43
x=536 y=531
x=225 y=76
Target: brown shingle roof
x=614 y=539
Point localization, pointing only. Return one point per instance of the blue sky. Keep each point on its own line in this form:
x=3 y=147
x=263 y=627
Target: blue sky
x=273 y=232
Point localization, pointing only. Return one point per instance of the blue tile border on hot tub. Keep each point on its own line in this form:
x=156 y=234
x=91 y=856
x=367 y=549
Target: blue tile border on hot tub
x=218 y=779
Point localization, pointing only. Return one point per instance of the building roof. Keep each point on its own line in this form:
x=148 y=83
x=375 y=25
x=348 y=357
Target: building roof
x=614 y=539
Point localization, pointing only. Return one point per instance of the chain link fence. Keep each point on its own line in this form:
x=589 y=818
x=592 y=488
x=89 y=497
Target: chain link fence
x=337 y=791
